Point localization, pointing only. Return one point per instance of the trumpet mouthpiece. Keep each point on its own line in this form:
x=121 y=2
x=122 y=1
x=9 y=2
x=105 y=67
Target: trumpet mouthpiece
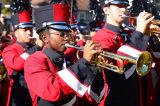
x=125 y=16
x=31 y=37
x=67 y=45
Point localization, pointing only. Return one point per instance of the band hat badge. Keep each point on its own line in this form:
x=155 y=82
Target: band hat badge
x=21 y=14
x=54 y=16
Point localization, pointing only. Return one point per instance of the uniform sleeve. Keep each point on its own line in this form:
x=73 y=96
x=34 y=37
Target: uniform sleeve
x=139 y=40
x=55 y=87
x=43 y=82
x=12 y=59
x=84 y=79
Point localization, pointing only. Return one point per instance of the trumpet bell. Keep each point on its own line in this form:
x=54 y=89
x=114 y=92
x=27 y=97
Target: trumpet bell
x=144 y=63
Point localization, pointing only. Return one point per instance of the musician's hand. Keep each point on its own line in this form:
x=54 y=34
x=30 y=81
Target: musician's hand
x=90 y=49
x=143 y=21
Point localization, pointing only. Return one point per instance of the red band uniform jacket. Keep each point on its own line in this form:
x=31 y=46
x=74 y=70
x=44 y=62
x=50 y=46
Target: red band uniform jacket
x=123 y=89
x=53 y=81
x=14 y=57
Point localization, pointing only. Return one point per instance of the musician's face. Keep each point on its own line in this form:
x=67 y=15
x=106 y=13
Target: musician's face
x=56 y=40
x=23 y=35
x=115 y=14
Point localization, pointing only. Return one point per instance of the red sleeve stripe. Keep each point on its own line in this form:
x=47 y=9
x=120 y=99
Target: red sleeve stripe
x=73 y=82
x=24 y=56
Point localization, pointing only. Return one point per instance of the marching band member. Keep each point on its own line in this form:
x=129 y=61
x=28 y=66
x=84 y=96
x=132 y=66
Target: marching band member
x=51 y=79
x=15 y=55
x=124 y=90
x=4 y=42
x=80 y=34
x=151 y=82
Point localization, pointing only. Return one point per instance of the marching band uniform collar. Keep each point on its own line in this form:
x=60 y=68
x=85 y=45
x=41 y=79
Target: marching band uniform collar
x=117 y=30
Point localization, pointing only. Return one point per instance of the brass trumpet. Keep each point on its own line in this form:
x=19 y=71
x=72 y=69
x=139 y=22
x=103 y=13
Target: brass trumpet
x=154 y=28
x=143 y=62
x=155 y=22
x=133 y=20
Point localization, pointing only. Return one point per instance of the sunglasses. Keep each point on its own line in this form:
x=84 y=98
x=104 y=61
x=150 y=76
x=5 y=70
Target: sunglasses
x=61 y=34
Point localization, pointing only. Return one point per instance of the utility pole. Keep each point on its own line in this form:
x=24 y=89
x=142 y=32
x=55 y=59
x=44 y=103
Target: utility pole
x=71 y=14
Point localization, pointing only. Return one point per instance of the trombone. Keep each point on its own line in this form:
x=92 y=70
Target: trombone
x=143 y=62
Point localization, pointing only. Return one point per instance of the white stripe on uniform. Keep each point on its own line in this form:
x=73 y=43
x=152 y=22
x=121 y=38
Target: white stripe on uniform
x=72 y=81
x=24 y=56
x=128 y=50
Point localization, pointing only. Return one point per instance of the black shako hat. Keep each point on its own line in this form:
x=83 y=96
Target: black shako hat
x=21 y=14
x=54 y=16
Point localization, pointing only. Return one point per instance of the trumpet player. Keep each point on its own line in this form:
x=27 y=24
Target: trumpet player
x=125 y=89
x=15 y=55
x=51 y=78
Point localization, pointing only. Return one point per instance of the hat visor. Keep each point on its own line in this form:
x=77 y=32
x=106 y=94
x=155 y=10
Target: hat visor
x=60 y=27
x=24 y=25
x=123 y=3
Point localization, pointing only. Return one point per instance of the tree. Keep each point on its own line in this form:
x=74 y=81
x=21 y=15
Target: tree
x=147 y=5
x=5 y=1
x=96 y=10
x=3 y=8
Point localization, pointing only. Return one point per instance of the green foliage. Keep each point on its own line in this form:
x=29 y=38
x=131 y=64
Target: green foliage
x=6 y=11
x=5 y=1
x=140 y=5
